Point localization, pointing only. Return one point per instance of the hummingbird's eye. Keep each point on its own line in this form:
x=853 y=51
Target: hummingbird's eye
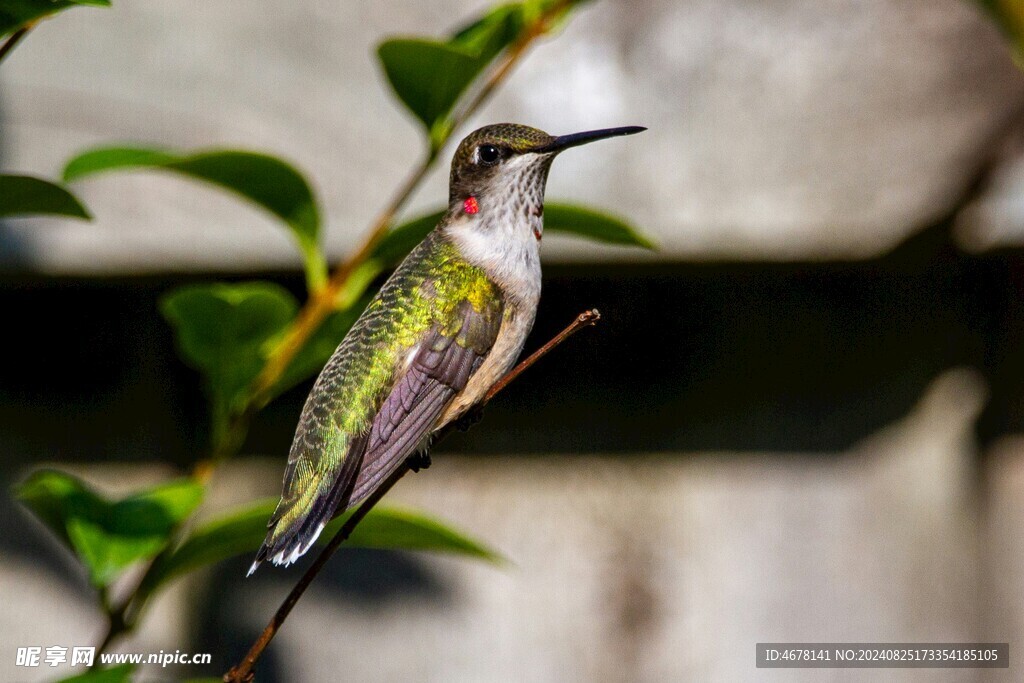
x=488 y=154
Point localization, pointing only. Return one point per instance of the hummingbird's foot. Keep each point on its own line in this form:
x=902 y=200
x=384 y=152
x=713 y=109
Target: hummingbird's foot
x=470 y=418
x=419 y=461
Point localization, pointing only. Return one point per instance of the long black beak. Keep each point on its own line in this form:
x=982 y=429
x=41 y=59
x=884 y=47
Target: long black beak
x=563 y=142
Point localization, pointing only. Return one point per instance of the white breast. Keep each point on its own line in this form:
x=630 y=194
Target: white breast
x=506 y=248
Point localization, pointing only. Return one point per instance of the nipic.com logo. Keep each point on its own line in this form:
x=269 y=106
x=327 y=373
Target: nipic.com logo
x=56 y=655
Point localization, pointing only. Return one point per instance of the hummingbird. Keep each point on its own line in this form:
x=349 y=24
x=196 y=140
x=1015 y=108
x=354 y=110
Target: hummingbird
x=446 y=326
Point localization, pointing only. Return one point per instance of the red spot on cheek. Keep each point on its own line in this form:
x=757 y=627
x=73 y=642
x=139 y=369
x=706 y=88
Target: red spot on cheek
x=470 y=205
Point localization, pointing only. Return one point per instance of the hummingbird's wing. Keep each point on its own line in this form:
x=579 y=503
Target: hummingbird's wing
x=381 y=394
x=441 y=369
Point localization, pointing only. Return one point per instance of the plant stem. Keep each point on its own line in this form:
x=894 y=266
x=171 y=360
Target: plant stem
x=116 y=626
x=15 y=38
x=243 y=672
x=115 y=622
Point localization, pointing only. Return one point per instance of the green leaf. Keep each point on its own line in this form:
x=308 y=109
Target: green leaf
x=491 y=33
x=594 y=225
x=242 y=531
x=224 y=331
x=429 y=76
x=16 y=13
x=108 y=536
x=115 y=674
x=24 y=195
x=408 y=530
x=114 y=158
x=267 y=181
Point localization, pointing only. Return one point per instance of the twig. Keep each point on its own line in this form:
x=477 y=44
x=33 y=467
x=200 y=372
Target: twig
x=584 y=319
x=243 y=672
x=14 y=39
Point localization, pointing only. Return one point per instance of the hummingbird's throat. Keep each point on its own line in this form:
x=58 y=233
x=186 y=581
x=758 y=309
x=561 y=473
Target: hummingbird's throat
x=472 y=206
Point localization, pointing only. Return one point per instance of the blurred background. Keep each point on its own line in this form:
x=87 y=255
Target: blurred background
x=801 y=418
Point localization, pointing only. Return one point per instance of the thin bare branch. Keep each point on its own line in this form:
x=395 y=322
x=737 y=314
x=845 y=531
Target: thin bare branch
x=584 y=319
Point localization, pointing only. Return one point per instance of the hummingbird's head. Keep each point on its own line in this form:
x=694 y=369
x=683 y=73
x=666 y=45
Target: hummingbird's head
x=502 y=169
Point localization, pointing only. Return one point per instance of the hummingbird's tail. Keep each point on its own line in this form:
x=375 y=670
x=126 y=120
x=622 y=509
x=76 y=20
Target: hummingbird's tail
x=285 y=543
x=298 y=521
